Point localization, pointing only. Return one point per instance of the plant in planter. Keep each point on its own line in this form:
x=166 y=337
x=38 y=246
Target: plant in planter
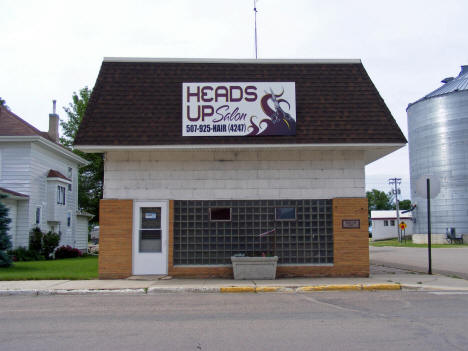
x=261 y=266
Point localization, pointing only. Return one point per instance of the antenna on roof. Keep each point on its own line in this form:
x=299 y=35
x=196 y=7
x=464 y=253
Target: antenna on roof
x=255 y=11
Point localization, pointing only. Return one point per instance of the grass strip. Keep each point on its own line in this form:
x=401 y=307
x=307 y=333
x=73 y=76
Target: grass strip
x=70 y=268
x=409 y=243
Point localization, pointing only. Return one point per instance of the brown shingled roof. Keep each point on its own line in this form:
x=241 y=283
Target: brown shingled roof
x=12 y=125
x=11 y=192
x=56 y=174
x=140 y=103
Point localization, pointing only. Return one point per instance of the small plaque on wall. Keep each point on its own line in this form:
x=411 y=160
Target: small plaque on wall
x=351 y=224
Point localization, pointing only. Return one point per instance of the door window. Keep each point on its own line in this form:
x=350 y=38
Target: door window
x=150 y=229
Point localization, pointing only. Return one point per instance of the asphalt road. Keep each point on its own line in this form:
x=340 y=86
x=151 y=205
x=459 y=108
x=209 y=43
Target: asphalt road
x=399 y=320
x=449 y=261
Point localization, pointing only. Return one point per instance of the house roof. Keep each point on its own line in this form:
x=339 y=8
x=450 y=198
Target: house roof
x=138 y=102
x=12 y=193
x=56 y=174
x=12 y=125
x=391 y=214
x=13 y=128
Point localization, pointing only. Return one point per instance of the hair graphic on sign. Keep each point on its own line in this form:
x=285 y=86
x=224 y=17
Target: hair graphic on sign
x=238 y=108
x=279 y=121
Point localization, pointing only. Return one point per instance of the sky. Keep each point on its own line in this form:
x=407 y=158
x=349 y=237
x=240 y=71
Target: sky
x=51 y=49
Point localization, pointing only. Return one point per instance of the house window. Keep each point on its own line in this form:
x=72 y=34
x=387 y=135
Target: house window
x=38 y=215
x=220 y=214
x=69 y=219
x=70 y=176
x=392 y=222
x=285 y=213
x=60 y=195
x=385 y=223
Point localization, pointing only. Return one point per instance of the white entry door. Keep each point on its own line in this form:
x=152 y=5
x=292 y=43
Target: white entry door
x=150 y=228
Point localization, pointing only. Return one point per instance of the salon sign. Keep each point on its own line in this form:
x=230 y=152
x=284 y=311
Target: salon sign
x=238 y=109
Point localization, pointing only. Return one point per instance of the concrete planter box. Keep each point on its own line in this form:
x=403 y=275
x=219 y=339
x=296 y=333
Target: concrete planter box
x=254 y=267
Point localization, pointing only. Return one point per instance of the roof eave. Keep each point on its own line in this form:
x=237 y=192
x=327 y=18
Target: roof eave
x=231 y=60
x=373 y=151
x=81 y=161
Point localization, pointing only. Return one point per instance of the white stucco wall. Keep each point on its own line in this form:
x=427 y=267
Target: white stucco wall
x=243 y=174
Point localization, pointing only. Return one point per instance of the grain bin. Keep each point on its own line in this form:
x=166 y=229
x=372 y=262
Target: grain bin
x=438 y=145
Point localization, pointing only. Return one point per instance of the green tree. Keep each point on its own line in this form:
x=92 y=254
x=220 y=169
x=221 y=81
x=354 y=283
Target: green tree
x=91 y=177
x=403 y=205
x=5 y=242
x=378 y=200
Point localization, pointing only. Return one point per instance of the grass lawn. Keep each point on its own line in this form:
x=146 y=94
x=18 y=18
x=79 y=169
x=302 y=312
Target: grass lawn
x=409 y=243
x=68 y=268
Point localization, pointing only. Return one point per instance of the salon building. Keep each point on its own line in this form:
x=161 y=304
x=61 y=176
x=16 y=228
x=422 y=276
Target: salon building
x=207 y=159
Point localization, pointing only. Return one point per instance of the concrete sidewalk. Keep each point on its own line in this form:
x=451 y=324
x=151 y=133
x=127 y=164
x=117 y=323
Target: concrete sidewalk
x=381 y=278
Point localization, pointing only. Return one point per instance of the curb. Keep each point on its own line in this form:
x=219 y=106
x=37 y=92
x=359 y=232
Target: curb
x=390 y=286
x=223 y=289
x=236 y=289
x=333 y=287
x=336 y=287
x=46 y=292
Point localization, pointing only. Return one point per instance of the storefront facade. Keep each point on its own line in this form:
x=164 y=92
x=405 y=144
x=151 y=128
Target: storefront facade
x=196 y=172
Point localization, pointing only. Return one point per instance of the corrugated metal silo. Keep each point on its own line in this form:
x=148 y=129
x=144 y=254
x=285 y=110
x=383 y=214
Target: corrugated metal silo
x=438 y=145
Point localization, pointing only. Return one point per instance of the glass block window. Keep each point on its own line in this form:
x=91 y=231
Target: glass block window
x=305 y=238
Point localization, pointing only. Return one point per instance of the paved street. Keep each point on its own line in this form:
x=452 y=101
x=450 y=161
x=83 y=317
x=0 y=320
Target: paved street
x=451 y=261
x=399 y=320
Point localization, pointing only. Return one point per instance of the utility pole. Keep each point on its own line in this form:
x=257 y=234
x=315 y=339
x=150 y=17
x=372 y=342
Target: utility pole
x=396 y=182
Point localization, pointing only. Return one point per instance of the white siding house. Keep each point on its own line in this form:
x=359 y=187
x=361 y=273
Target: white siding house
x=40 y=179
x=385 y=226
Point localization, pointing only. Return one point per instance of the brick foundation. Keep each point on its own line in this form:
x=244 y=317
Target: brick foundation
x=115 y=239
x=351 y=246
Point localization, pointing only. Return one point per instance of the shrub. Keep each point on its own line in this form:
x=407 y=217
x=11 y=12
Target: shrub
x=35 y=240
x=23 y=254
x=67 y=252
x=49 y=242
